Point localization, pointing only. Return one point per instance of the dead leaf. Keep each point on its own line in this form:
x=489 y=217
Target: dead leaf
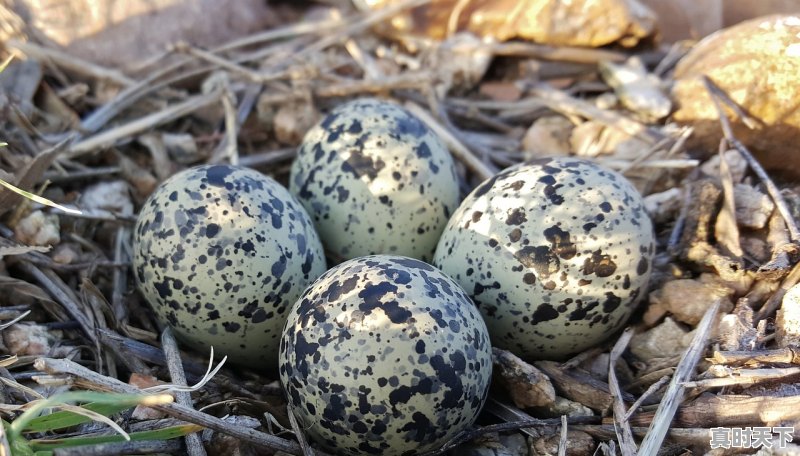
x=756 y=63
x=590 y=23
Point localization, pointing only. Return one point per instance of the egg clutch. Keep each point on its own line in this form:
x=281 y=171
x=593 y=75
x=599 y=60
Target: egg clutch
x=389 y=352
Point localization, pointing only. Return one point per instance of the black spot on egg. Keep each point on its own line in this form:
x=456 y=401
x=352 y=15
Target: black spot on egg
x=565 y=277
x=382 y=164
x=207 y=242
x=599 y=264
x=516 y=217
x=541 y=258
x=404 y=363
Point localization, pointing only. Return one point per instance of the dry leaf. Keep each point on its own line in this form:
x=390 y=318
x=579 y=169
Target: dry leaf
x=756 y=63
x=590 y=23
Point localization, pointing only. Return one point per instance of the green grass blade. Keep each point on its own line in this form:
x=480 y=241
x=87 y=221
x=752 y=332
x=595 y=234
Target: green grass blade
x=19 y=446
x=64 y=419
x=22 y=421
x=166 y=433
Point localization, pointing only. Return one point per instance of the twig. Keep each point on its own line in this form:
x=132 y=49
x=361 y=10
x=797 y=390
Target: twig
x=119 y=278
x=227 y=148
x=650 y=390
x=109 y=137
x=686 y=437
x=267 y=158
x=291 y=31
x=674 y=394
x=298 y=432
x=90 y=379
x=135 y=350
x=457 y=148
x=776 y=298
x=561 y=102
x=746 y=377
x=726 y=229
x=716 y=93
x=473 y=434
x=355 y=26
x=627 y=444
x=70 y=62
x=221 y=62
x=57 y=289
x=562 y=442
x=194 y=446
x=554 y=53
x=346 y=88
x=58 y=177
x=786 y=355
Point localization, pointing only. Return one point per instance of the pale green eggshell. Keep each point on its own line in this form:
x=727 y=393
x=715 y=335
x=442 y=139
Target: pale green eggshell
x=221 y=253
x=375 y=180
x=385 y=355
x=556 y=253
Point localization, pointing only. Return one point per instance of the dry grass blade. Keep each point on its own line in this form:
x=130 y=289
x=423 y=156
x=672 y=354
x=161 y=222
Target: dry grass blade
x=726 y=229
x=69 y=62
x=298 y=433
x=27 y=177
x=210 y=373
x=22 y=249
x=194 y=446
x=562 y=442
x=621 y=426
x=561 y=102
x=16 y=320
x=108 y=138
x=672 y=398
x=93 y=380
x=457 y=148
x=745 y=377
x=716 y=94
x=650 y=390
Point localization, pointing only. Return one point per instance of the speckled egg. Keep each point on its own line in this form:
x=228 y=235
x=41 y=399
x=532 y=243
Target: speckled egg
x=385 y=355
x=375 y=180
x=554 y=252
x=222 y=253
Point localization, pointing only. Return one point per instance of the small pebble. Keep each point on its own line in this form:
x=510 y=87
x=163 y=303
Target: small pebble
x=665 y=340
x=688 y=299
x=787 y=322
x=38 y=228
